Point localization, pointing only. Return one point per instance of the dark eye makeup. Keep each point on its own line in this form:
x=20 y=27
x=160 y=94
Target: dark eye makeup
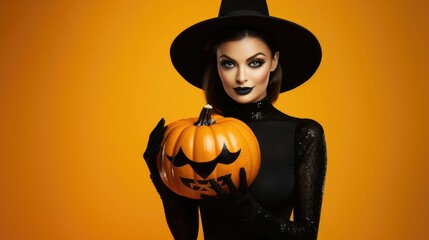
x=254 y=63
x=227 y=63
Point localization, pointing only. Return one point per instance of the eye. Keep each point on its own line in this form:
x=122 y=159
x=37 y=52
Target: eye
x=256 y=63
x=227 y=64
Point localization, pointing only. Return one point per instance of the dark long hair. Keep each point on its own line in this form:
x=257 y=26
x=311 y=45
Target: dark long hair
x=212 y=85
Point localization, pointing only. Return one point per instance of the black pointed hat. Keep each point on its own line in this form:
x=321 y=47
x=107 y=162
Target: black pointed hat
x=300 y=52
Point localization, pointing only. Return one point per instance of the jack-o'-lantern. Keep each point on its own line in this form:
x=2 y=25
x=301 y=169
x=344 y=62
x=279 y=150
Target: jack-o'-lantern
x=196 y=150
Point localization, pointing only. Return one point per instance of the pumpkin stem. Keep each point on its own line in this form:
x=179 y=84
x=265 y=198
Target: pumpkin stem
x=205 y=118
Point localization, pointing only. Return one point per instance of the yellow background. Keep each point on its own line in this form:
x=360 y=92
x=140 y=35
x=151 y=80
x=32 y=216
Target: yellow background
x=82 y=83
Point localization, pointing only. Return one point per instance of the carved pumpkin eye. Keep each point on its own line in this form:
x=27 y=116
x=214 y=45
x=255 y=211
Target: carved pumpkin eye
x=204 y=169
x=196 y=150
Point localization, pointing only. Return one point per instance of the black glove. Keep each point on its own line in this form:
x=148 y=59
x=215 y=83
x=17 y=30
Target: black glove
x=238 y=202
x=154 y=145
x=150 y=154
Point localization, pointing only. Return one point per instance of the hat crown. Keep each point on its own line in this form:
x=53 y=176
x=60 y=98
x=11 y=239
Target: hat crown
x=243 y=7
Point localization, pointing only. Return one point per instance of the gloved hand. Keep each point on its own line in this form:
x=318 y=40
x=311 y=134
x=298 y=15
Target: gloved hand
x=238 y=202
x=154 y=145
x=150 y=154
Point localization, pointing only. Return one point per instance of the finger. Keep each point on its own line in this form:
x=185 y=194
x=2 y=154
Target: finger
x=159 y=126
x=218 y=189
x=154 y=143
x=150 y=150
x=159 y=137
x=231 y=186
x=243 y=180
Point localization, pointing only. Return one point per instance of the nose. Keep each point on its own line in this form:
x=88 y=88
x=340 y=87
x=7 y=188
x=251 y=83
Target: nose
x=241 y=76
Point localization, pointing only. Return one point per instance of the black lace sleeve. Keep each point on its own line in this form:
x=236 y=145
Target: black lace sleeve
x=310 y=170
x=182 y=217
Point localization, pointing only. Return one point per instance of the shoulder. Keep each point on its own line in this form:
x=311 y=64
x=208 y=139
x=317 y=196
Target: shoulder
x=276 y=114
x=308 y=133
x=304 y=127
x=301 y=123
x=309 y=125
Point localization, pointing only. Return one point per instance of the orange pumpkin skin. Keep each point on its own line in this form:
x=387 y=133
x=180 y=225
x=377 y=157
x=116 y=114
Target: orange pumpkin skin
x=187 y=150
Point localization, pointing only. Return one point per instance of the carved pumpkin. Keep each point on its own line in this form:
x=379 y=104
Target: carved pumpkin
x=196 y=150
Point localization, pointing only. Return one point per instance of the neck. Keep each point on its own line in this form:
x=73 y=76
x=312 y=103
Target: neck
x=251 y=111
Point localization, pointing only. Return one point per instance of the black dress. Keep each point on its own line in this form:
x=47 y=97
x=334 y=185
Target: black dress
x=291 y=178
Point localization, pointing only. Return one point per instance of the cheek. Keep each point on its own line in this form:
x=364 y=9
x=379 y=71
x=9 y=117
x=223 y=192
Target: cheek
x=226 y=77
x=261 y=77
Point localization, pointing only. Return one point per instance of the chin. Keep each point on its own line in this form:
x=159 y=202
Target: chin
x=245 y=99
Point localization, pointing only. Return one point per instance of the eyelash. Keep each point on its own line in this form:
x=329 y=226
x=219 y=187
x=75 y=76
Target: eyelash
x=258 y=62
x=253 y=64
x=225 y=64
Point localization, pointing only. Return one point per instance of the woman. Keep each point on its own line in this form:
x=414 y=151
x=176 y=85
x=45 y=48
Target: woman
x=246 y=58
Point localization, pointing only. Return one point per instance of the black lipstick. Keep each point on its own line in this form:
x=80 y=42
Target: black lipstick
x=243 y=90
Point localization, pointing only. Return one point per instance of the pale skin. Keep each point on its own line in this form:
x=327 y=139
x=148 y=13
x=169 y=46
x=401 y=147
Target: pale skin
x=244 y=67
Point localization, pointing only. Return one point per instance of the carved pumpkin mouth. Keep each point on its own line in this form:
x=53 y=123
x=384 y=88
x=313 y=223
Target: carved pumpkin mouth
x=204 y=169
x=203 y=185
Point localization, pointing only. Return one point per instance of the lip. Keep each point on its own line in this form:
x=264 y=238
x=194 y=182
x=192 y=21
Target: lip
x=243 y=90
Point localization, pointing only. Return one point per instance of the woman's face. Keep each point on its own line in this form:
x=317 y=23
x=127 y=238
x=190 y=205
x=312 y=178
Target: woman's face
x=244 y=67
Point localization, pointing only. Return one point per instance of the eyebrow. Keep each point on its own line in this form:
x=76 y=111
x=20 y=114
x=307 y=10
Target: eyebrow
x=251 y=57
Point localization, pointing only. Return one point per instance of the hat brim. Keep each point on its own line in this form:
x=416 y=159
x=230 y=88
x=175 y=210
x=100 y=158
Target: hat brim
x=300 y=51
